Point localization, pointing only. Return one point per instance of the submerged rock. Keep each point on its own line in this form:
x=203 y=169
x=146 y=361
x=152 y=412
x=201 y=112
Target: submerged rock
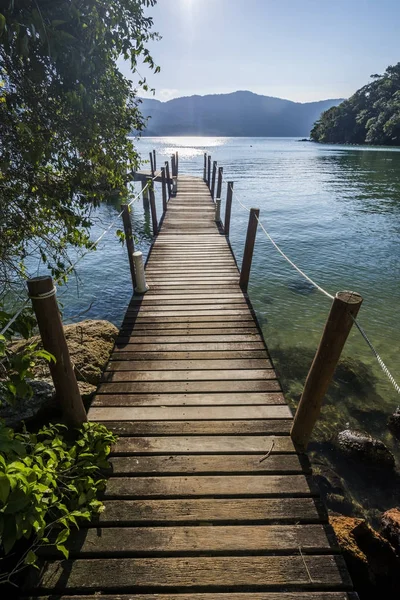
x=361 y=446
x=372 y=561
x=391 y=527
x=394 y=422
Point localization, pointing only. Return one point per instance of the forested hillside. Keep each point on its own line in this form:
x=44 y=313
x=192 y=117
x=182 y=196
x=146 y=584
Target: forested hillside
x=370 y=116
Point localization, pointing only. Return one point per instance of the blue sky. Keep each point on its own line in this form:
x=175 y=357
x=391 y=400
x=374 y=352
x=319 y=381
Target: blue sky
x=303 y=50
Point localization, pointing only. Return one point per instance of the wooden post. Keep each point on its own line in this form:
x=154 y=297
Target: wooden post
x=205 y=167
x=154 y=160
x=228 y=208
x=248 y=249
x=153 y=207
x=219 y=184
x=164 y=189
x=173 y=165
x=145 y=195
x=43 y=295
x=151 y=163
x=126 y=218
x=345 y=306
x=209 y=172
x=176 y=162
x=214 y=173
x=169 y=184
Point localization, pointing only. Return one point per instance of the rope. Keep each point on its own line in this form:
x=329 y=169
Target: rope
x=320 y=289
x=91 y=247
x=377 y=356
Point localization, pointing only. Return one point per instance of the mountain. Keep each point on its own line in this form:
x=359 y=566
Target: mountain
x=236 y=114
x=370 y=116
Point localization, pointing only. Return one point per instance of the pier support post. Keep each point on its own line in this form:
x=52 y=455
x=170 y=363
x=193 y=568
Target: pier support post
x=205 y=167
x=154 y=160
x=176 y=162
x=168 y=179
x=164 y=190
x=173 y=165
x=228 y=208
x=141 y=285
x=219 y=184
x=218 y=210
x=43 y=295
x=151 y=163
x=126 y=218
x=214 y=173
x=345 y=306
x=153 y=207
x=209 y=172
x=248 y=249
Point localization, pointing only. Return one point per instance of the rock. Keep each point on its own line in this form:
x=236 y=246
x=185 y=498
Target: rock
x=24 y=409
x=391 y=527
x=394 y=422
x=90 y=344
x=371 y=560
x=361 y=446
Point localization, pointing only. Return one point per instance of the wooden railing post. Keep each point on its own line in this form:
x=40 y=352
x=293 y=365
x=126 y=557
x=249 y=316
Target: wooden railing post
x=169 y=184
x=126 y=218
x=145 y=195
x=248 y=249
x=154 y=160
x=228 y=208
x=219 y=184
x=214 y=173
x=153 y=207
x=205 y=167
x=176 y=162
x=345 y=306
x=173 y=165
x=43 y=295
x=151 y=163
x=209 y=172
x=164 y=189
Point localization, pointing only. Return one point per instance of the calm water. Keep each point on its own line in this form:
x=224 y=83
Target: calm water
x=335 y=211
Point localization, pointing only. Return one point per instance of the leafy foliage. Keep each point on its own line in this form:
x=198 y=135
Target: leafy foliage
x=48 y=484
x=370 y=116
x=65 y=113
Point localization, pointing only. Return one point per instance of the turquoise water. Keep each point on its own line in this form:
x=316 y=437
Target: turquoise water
x=335 y=211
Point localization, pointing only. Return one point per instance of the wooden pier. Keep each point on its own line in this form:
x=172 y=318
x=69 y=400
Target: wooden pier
x=208 y=498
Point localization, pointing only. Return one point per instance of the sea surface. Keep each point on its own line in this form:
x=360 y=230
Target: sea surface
x=334 y=210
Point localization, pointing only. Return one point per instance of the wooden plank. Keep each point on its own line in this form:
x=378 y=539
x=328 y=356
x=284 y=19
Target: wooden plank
x=235 y=444
x=205 y=399
x=232 y=596
x=187 y=339
x=133 y=574
x=204 y=346
x=188 y=355
x=189 y=375
x=172 y=365
x=186 y=413
x=180 y=387
x=199 y=540
x=150 y=331
x=207 y=464
x=206 y=428
x=183 y=319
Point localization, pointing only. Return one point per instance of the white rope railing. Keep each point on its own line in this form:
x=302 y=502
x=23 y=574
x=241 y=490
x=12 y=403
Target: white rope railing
x=327 y=294
x=91 y=247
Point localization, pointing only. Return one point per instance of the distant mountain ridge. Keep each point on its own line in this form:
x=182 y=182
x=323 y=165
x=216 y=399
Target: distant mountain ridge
x=239 y=113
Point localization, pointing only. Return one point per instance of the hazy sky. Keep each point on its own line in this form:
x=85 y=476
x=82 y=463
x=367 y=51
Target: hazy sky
x=302 y=50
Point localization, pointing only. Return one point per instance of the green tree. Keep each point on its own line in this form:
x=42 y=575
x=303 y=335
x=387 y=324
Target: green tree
x=370 y=116
x=65 y=113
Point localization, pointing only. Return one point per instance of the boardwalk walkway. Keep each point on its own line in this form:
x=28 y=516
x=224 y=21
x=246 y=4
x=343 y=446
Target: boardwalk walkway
x=208 y=498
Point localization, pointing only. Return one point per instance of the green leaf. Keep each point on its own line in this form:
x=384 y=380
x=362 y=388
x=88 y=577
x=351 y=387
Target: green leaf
x=4 y=488
x=30 y=558
x=63 y=549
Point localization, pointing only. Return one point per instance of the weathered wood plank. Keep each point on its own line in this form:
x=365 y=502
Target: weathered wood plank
x=189 y=375
x=187 y=339
x=119 y=354
x=204 y=444
x=149 y=387
x=206 y=428
x=193 y=413
x=204 y=399
x=263 y=572
x=142 y=541
x=208 y=464
x=232 y=596
x=176 y=365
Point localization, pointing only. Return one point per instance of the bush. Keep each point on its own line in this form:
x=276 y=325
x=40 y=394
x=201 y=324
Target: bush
x=49 y=483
